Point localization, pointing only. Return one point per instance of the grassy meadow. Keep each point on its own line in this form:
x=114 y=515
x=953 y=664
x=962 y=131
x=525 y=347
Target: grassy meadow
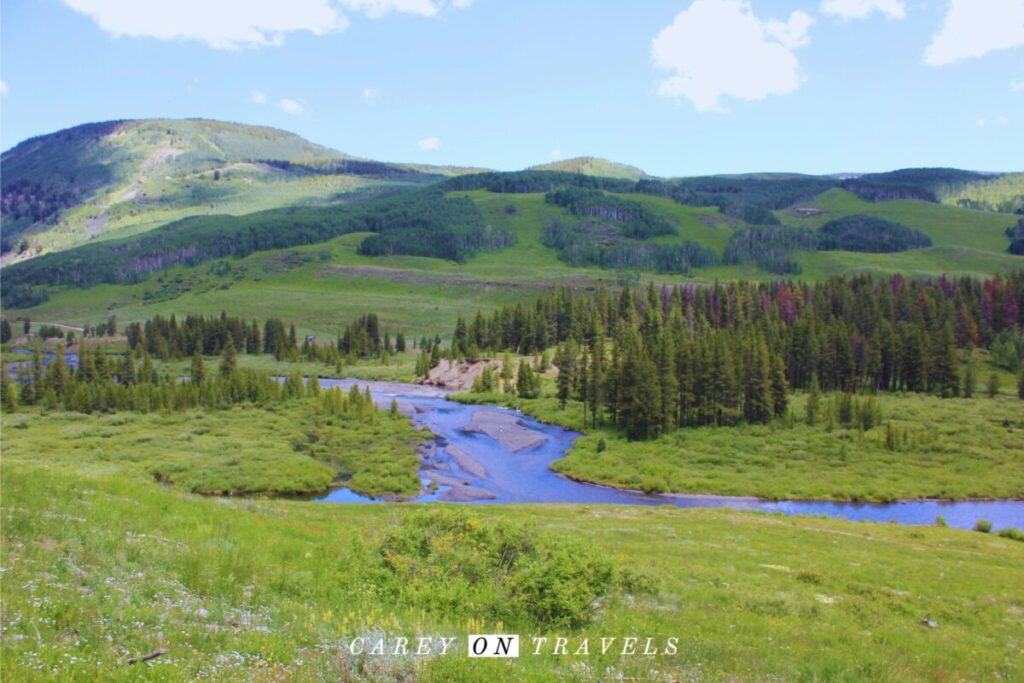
x=275 y=449
x=101 y=568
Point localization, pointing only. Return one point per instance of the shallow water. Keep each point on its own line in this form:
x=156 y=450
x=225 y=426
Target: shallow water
x=526 y=477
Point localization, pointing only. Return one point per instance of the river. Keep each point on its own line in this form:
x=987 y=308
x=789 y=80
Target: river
x=479 y=465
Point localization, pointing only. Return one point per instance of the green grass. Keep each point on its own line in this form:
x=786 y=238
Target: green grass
x=948 y=448
x=946 y=225
x=99 y=568
x=286 y=448
x=322 y=286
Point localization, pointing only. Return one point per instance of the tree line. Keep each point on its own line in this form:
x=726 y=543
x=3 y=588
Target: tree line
x=655 y=359
x=131 y=382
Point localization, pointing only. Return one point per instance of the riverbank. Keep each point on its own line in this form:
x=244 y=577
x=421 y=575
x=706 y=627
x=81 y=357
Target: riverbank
x=942 y=449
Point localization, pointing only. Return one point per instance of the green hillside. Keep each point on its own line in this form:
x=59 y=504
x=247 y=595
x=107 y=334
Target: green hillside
x=1005 y=194
x=118 y=178
x=593 y=166
x=388 y=243
x=945 y=225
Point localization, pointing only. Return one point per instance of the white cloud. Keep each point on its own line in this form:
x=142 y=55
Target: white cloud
x=237 y=24
x=995 y=120
x=719 y=48
x=257 y=97
x=860 y=9
x=973 y=28
x=371 y=93
x=290 y=106
x=1017 y=86
x=556 y=154
x=3 y=88
x=429 y=144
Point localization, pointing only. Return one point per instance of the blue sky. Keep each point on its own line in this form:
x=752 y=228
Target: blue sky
x=677 y=87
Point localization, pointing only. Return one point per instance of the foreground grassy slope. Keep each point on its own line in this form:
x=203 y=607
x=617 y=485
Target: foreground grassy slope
x=267 y=590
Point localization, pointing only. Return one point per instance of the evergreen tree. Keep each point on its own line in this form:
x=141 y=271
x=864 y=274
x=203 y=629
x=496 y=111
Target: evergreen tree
x=757 y=404
x=28 y=387
x=8 y=398
x=527 y=384
x=943 y=377
x=813 y=401
x=669 y=393
x=506 y=372
x=228 y=364
x=779 y=386
x=992 y=387
x=5 y=331
x=970 y=382
x=566 y=360
x=126 y=375
x=198 y=370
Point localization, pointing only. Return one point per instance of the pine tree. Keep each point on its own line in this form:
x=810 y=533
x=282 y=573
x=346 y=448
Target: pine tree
x=969 y=379
x=669 y=393
x=198 y=370
x=228 y=364
x=1020 y=385
x=779 y=386
x=507 y=373
x=943 y=377
x=595 y=382
x=126 y=375
x=813 y=400
x=992 y=387
x=8 y=398
x=57 y=373
x=527 y=384
x=147 y=375
x=566 y=360
x=28 y=387
x=757 y=404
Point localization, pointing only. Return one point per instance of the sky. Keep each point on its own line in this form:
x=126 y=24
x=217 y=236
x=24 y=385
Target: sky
x=676 y=87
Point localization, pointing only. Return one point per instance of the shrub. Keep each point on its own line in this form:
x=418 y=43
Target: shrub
x=983 y=525
x=940 y=521
x=1012 y=534
x=447 y=560
x=808 y=576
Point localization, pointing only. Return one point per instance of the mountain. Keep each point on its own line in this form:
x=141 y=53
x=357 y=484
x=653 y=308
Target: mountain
x=117 y=178
x=593 y=166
